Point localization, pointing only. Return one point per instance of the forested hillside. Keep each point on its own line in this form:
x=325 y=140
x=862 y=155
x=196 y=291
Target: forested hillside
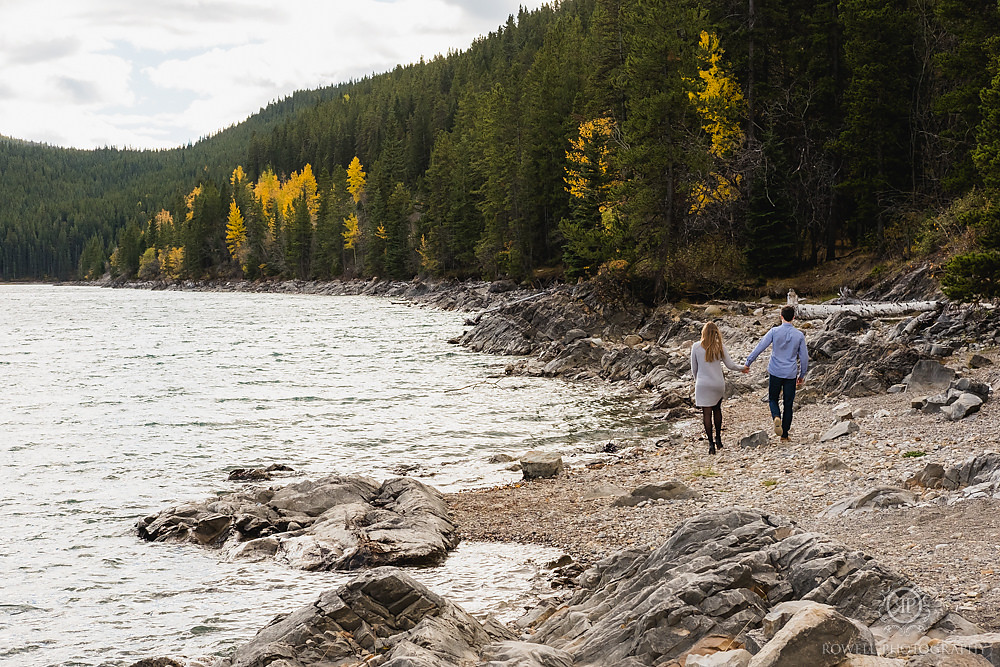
x=685 y=146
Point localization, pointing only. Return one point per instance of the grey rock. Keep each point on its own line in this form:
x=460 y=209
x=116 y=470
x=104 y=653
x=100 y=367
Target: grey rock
x=880 y=497
x=845 y=321
x=666 y=490
x=979 y=361
x=938 y=350
x=931 y=477
x=810 y=637
x=928 y=377
x=839 y=430
x=604 y=491
x=383 y=612
x=966 y=405
x=827 y=463
x=632 y=340
x=948 y=655
x=537 y=464
x=524 y=654
x=987 y=645
x=754 y=440
x=624 y=364
x=843 y=412
x=717 y=574
x=332 y=523
x=574 y=335
x=673 y=398
x=980 y=389
x=738 y=658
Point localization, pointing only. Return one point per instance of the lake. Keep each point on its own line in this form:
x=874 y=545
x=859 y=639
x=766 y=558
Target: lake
x=119 y=403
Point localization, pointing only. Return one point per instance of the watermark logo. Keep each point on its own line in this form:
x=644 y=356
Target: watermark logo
x=904 y=605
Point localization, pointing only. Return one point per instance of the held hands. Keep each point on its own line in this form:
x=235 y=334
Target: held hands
x=746 y=369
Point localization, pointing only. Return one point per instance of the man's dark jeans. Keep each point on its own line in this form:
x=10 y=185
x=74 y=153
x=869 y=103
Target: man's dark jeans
x=784 y=388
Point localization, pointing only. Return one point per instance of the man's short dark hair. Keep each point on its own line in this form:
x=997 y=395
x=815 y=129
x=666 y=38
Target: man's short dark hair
x=788 y=313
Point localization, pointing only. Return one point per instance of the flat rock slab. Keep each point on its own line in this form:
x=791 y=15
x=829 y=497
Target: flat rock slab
x=930 y=377
x=535 y=465
x=666 y=490
x=754 y=440
x=334 y=523
x=878 y=498
x=382 y=613
x=720 y=573
x=839 y=430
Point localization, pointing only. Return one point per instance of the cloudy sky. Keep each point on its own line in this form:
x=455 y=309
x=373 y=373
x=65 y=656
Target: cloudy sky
x=160 y=73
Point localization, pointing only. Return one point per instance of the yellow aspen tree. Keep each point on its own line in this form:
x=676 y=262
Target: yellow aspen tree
x=719 y=101
x=301 y=183
x=588 y=163
x=189 y=202
x=165 y=231
x=593 y=232
x=268 y=191
x=236 y=233
x=351 y=231
x=239 y=176
x=356 y=179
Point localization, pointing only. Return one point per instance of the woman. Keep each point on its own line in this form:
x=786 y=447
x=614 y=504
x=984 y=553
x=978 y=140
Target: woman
x=709 y=385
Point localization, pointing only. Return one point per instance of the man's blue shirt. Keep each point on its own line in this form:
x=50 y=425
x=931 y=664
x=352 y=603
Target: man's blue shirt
x=789 y=356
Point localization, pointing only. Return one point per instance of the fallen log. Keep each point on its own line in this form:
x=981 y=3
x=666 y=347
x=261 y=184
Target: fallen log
x=807 y=311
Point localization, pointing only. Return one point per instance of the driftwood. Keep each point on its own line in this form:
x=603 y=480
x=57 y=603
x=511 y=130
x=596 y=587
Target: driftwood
x=849 y=303
x=806 y=311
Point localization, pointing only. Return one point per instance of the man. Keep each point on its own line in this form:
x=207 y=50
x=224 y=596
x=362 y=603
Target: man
x=787 y=368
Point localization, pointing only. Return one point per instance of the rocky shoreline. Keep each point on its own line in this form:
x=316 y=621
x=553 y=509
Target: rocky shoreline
x=845 y=517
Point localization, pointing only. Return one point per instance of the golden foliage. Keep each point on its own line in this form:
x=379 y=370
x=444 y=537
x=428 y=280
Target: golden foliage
x=719 y=101
x=189 y=202
x=164 y=220
x=268 y=191
x=236 y=232
x=428 y=261
x=239 y=176
x=356 y=179
x=352 y=231
x=301 y=183
x=589 y=161
x=171 y=262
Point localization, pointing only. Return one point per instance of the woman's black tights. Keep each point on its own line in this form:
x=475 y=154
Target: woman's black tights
x=708 y=415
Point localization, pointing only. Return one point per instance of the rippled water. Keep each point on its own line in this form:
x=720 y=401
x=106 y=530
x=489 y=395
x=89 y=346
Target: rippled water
x=118 y=403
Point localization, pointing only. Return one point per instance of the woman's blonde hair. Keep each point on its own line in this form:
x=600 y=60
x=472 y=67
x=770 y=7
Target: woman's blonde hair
x=711 y=341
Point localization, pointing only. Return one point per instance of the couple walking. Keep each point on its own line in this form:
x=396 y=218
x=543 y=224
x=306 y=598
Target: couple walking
x=787 y=370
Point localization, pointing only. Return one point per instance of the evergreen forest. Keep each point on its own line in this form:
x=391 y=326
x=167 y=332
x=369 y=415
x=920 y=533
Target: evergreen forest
x=688 y=147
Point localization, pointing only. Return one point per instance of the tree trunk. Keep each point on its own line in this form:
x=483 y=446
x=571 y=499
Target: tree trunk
x=806 y=311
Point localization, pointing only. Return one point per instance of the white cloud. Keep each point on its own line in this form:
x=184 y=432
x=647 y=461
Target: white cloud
x=90 y=73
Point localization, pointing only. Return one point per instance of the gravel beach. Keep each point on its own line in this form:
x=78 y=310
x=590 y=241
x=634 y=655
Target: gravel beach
x=951 y=549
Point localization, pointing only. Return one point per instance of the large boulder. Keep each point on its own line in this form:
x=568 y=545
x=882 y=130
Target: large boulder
x=930 y=377
x=818 y=636
x=382 y=613
x=718 y=574
x=536 y=464
x=332 y=523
